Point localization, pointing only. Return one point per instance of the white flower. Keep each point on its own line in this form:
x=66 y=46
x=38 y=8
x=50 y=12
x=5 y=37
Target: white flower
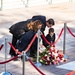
x=51 y=48
x=40 y=60
x=48 y=58
x=45 y=54
x=53 y=53
x=56 y=54
x=49 y=53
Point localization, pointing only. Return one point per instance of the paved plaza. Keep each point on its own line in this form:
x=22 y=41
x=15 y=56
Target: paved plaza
x=61 y=13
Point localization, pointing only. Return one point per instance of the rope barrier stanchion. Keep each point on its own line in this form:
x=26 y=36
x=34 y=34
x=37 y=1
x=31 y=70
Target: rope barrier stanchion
x=5 y=51
x=64 y=41
x=70 y=0
x=6 y=73
x=37 y=62
x=50 y=1
x=23 y=60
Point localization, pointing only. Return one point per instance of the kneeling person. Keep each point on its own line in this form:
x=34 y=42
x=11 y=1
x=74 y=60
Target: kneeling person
x=26 y=38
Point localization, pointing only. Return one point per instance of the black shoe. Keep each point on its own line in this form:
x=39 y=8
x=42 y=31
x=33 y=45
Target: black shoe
x=15 y=59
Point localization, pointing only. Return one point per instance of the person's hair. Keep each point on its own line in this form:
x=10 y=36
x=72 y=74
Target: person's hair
x=34 y=25
x=51 y=21
x=51 y=30
x=29 y=25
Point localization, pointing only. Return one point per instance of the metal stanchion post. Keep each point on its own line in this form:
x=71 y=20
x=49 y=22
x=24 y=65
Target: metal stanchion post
x=5 y=52
x=38 y=63
x=38 y=46
x=26 y=3
x=5 y=73
x=1 y=5
x=70 y=0
x=50 y=1
x=64 y=41
x=23 y=60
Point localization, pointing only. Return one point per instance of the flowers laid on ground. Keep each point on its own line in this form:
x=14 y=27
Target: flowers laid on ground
x=51 y=56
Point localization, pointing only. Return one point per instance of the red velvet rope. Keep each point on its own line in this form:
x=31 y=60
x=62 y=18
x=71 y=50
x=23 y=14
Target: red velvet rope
x=31 y=42
x=8 y=60
x=55 y=41
x=27 y=47
x=70 y=32
x=71 y=73
x=46 y=39
x=58 y=37
x=14 y=48
x=1 y=46
x=36 y=67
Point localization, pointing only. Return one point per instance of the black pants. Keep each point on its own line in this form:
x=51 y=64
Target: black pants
x=14 y=40
x=33 y=49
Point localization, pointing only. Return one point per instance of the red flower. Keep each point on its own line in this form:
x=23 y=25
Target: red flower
x=44 y=58
x=61 y=55
x=48 y=62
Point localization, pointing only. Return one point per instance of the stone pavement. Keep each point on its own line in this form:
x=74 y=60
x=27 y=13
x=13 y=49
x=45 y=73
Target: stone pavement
x=61 y=13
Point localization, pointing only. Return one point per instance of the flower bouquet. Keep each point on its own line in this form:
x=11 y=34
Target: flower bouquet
x=51 y=56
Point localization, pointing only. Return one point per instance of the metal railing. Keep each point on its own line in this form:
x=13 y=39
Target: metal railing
x=52 y=1
x=26 y=2
x=1 y=4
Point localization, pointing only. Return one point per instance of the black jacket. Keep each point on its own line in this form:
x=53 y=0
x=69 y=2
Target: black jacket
x=19 y=28
x=24 y=41
x=42 y=19
x=49 y=39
